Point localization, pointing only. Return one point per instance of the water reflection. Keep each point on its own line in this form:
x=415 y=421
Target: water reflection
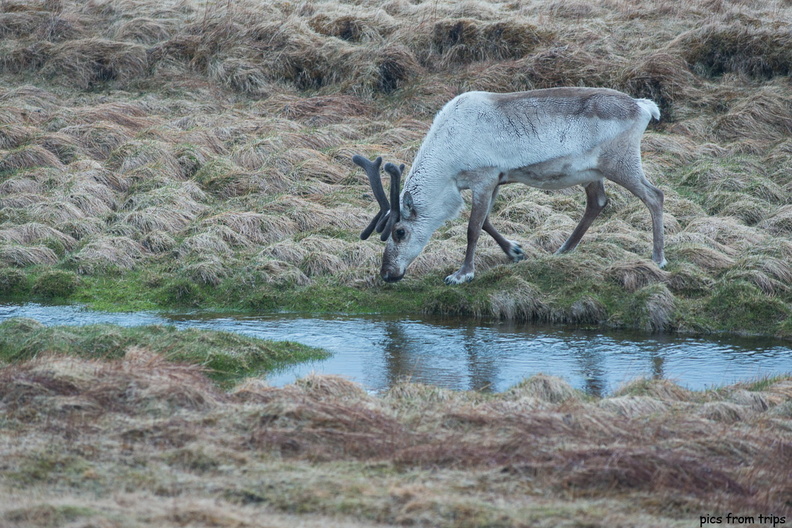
x=461 y=354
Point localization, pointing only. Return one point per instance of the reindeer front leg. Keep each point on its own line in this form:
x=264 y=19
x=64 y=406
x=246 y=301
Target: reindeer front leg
x=479 y=212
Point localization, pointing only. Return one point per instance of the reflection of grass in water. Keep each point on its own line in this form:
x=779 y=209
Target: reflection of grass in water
x=227 y=357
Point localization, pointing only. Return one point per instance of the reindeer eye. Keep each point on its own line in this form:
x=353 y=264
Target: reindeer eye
x=400 y=233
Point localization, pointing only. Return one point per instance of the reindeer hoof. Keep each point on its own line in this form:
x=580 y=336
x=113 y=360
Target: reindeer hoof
x=516 y=253
x=458 y=278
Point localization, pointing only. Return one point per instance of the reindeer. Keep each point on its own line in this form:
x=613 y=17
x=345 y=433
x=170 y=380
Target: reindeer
x=550 y=139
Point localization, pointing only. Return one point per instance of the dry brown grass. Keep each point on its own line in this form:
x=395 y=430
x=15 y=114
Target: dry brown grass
x=28 y=255
x=654 y=454
x=737 y=45
x=98 y=139
x=29 y=157
x=34 y=232
x=637 y=274
x=87 y=62
x=107 y=253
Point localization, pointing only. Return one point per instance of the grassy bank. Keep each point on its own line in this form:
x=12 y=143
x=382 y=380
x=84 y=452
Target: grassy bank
x=160 y=154
x=225 y=357
x=140 y=441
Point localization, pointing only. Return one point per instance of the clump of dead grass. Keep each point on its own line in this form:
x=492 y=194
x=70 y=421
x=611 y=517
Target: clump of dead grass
x=209 y=269
x=133 y=155
x=13 y=136
x=318 y=255
x=108 y=253
x=521 y=301
x=33 y=232
x=656 y=308
x=765 y=115
x=465 y=40
x=737 y=46
x=87 y=62
x=28 y=157
x=662 y=77
x=145 y=30
x=98 y=139
x=170 y=208
x=544 y=388
x=318 y=109
x=701 y=251
x=780 y=222
x=158 y=241
x=28 y=255
x=636 y=274
x=143 y=382
x=663 y=390
x=251 y=229
x=278 y=272
x=570 y=65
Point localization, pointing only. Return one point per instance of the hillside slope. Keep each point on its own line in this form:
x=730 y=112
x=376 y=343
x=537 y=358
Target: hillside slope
x=198 y=153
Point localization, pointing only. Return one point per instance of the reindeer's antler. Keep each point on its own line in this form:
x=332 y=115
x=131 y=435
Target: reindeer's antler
x=388 y=214
x=394 y=215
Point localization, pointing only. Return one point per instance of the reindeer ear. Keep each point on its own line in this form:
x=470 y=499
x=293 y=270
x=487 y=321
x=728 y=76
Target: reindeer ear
x=408 y=207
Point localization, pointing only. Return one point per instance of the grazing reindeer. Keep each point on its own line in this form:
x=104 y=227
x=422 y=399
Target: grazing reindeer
x=551 y=139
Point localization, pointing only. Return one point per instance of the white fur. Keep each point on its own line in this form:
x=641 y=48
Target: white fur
x=548 y=139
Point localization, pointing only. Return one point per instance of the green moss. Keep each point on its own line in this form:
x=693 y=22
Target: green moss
x=545 y=290
x=739 y=306
x=12 y=282
x=56 y=284
x=126 y=292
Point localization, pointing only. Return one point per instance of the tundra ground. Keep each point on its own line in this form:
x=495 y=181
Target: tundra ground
x=141 y=441
x=185 y=153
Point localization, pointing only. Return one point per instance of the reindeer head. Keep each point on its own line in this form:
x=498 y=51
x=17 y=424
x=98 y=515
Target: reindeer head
x=397 y=221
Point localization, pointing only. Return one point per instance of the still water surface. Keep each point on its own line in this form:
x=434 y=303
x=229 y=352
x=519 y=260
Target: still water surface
x=377 y=351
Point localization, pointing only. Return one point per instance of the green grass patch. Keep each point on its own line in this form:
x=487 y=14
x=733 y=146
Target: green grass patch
x=228 y=357
x=739 y=306
x=56 y=284
x=48 y=467
x=48 y=515
x=554 y=289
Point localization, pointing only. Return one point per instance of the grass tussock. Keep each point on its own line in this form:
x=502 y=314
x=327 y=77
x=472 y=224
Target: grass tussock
x=90 y=61
x=415 y=454
x=28 y=255
x=737 y=46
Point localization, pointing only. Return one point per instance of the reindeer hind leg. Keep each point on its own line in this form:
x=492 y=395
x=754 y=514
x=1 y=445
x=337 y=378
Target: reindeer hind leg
x=653 y=198
x=635 y=181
